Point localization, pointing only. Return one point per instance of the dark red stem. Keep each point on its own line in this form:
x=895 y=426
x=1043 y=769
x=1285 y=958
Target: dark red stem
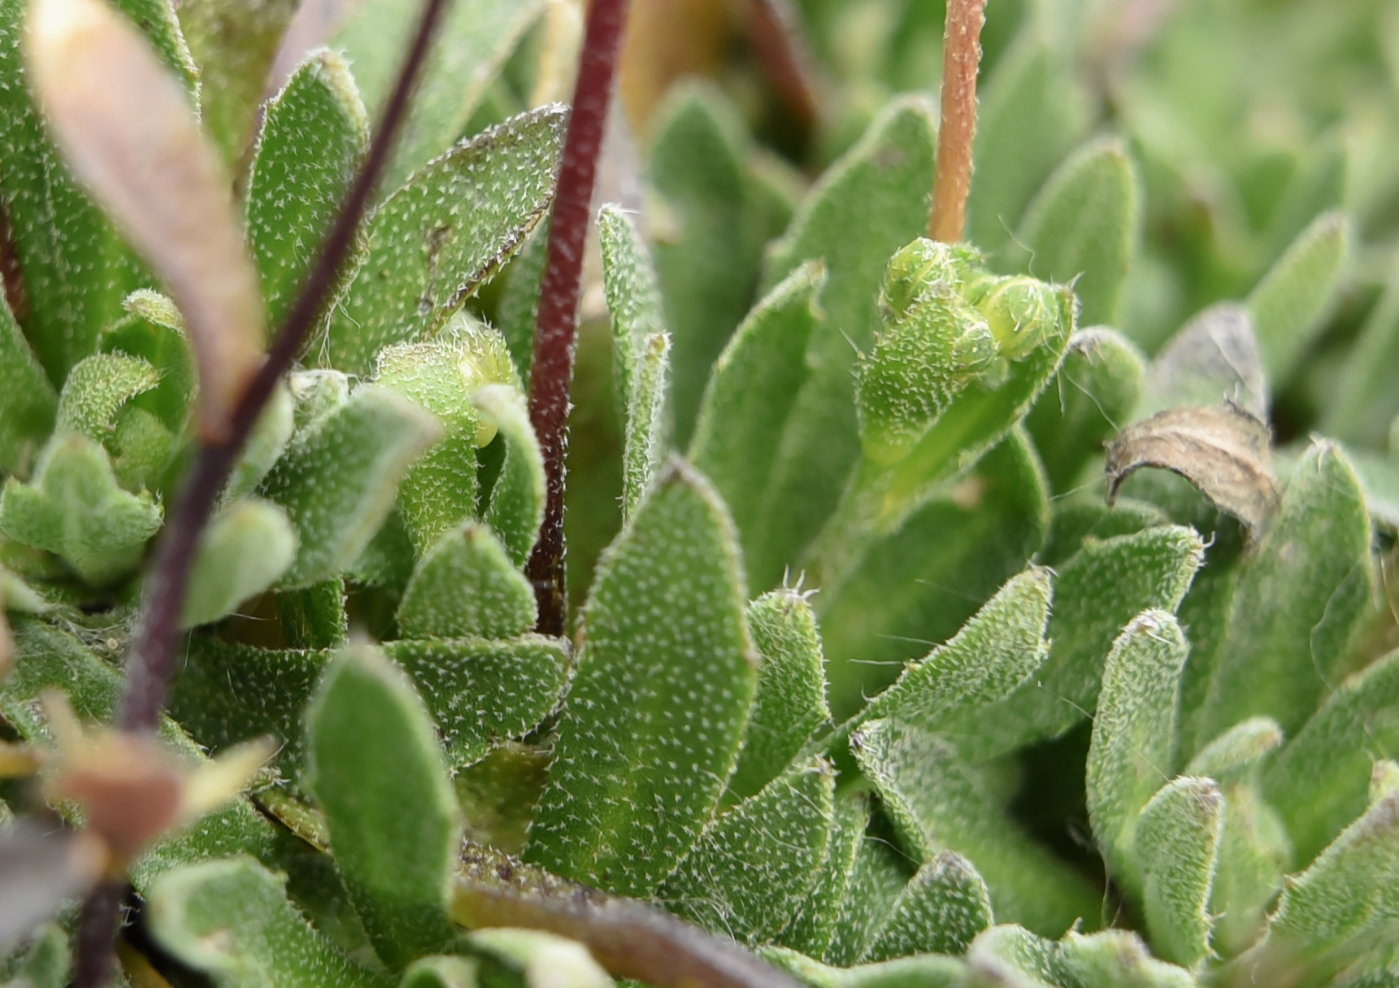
x=156 y=642
x=774 y=30
x=551 y=373
x=155 y=646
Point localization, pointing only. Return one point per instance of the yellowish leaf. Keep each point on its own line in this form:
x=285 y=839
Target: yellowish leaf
x=126 y=129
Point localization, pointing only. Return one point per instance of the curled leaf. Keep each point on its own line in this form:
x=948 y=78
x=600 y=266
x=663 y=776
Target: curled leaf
x=126 y=128
x=1221 y=449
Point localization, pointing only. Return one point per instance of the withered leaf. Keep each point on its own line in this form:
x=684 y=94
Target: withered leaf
x=126 y=128
x=1214 y=356
x=1221 y=449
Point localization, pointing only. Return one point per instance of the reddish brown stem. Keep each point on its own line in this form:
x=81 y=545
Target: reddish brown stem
x=155 y=644
x=774 y=30
x=551 y=374
x=961 y=57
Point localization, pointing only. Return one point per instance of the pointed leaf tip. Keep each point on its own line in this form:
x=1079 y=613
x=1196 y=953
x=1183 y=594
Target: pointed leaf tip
x=125 y=127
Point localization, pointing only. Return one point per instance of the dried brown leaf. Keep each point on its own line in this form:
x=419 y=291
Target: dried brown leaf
x=125 y=127
x=1221 y=449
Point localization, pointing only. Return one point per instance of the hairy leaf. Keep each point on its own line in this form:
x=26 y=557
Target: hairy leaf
x=865 y=207
x=28 y=403
x=658 y=702
x=433 y=243
x=709 y=238
x=244 y=550
x=878 y=875
x=1134 y=733
x=1097 y=592
x=373 y=756
x=138 y=148
x=1319 y=782
x=516 y=506
x=756 y=862
x=1176 y=841
x=751 y=393
x=939 y=803
x=96 y=390
x=1095 y=391
x=337 y=479
x=640 y=348
x=940 y=911
x=314 y=135
x=76 y=510
x=475 y=39
x=232 y=921
x=919 y=584
x=790 y=703
x=1084 y=225
x=1289 y=306
x=917 y=971
x=814 y=922
x=465 y=585
x=1281 y=660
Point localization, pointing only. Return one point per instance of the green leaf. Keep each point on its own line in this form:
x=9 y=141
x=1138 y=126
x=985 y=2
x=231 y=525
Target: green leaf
x=465 y=585
x=234 y=43
x=790 y=703
x=1365 y=401
x=919 y=971
x=245 y=549
x=439 y=491
x=640 y=347
x=481 y=692
x=919 y=584
x=475 y=39
x=1012 y=955
x=1134 y=735
x=498 y=794
x=154 y=331
x=337 y=480
x=46 y=962
x=1319 y=782
x=516 y=506
x=940 y=911
x=96 y=390
x=865 y=207
x=1032 y=112
x=754 y=864
x=314 y=616
x=270 y=435
x=1177 y=837
x=993 y=654
x=1114 y=959
x=1097 y=592
x=518 y=309
x=76 y=510
x=1094 y=394
x=76 y=272
x=814 y=921
x=28 y=403
x=1253 y=854
x=1214 y=356
x=1349 y=895
x=379 y=775
x=232 y=921
x=536 y=959
x=55 y=660
x=710 y=228
x=878 y=876
x=1237 y=749
x=1084 y=226
x=1280 y=660
x=314 y=135
x=939 y=803
x=1378 y=969
x=1290 y=304
x=440 y=972
x=434 y=242
x=662 y=687
x=751 y=393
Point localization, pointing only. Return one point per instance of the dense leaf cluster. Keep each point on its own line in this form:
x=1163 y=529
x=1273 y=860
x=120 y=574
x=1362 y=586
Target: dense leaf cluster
x=1035 y=726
